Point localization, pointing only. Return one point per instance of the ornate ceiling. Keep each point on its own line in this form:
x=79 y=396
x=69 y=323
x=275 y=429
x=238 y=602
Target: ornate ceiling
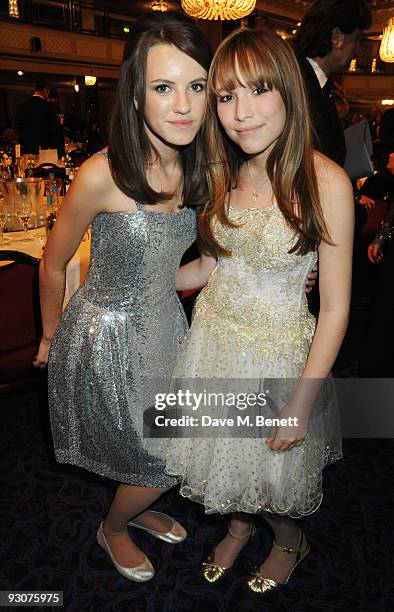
x=295 y=9
x=290 y=10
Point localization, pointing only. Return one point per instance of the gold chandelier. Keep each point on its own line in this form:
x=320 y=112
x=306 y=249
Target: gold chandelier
x=159 y=5
x=386 y=50
x=13 y=9
x=218 y=9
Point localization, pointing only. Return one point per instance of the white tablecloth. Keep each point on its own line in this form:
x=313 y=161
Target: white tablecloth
x=76 y=267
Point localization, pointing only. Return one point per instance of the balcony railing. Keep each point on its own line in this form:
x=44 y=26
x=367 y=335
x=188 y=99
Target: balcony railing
x=82 y=16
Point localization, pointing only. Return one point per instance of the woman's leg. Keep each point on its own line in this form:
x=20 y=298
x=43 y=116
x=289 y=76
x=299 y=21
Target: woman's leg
x=279 y=564
x=229 y=548
x=131 y=502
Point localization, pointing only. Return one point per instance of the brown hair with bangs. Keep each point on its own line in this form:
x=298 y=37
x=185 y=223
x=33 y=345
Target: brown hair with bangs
x=130 y=149
x=260 y=58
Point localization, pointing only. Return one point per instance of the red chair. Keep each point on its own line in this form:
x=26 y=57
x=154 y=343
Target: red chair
x=20 y=320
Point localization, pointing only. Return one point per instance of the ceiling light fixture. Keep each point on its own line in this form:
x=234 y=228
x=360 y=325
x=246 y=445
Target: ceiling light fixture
x=90 y=81
x=353 y=65
x=386 y=50
x=218 y=9
x=159 y=5
x=13 y=9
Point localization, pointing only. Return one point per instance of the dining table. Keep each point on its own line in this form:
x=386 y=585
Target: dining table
x=33 y=243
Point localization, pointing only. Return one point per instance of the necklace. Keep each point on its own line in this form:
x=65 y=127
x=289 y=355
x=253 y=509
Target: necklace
x=255 y=194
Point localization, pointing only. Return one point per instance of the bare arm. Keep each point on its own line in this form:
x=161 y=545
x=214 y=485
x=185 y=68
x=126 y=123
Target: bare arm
x=195 y=274
x=83 y=202
x=335 y=267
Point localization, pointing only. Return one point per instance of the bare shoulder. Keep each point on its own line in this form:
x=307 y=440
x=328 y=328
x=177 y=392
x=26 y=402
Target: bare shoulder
x=95 y=174
x=334 y=183
x=95 y=181
x=329 y=174
x=92 y=187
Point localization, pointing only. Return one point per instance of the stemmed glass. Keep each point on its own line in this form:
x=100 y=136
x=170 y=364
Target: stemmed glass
x=3 y=218
x=22 y=164
x=23 y=207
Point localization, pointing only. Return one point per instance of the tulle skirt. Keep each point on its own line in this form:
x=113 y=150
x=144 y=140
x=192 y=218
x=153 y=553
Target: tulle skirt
x=230 y=473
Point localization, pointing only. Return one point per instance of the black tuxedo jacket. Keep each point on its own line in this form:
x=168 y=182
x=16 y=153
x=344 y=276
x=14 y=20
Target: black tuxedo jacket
x=328 y=130
x=37 y=124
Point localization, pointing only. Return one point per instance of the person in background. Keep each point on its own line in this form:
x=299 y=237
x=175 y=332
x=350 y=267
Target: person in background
x=8 y=141
x=381 y=184
x=341 y=104
x=37 y=122
x=377 y=356
x=386 y=130
x=53 y=99
x=94 y=138
x=328 y=38
x=75 y=125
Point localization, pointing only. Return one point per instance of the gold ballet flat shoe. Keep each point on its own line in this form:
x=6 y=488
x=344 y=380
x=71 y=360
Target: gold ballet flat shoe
x=140 y=573
x=176 y=534
x=214 y=572
x=262 y=585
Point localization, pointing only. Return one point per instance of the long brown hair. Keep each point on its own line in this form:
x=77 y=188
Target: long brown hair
x=260 y=58
x=129 y=147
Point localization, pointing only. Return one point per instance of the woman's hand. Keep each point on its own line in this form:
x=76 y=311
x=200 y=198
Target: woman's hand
x=296 y=413
x=196 y=273
x=286 y=437
x=375 y=253
x=41 y=359
x=311 y=279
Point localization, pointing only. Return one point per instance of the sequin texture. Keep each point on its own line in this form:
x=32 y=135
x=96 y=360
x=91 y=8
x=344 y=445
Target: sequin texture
x=120 y=332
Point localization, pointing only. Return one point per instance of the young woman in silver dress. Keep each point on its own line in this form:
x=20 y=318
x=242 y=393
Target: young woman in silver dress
x=121 y=331
x=276 y=206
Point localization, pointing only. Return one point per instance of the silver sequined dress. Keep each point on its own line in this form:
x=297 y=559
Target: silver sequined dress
x=119 y=333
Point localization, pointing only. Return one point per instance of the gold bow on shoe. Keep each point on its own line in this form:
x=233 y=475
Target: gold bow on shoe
x=211 y=570
x=214 y=572
x=262 y=585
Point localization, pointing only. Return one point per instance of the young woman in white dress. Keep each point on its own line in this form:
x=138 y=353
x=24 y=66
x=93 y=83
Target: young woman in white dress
x=276 y=206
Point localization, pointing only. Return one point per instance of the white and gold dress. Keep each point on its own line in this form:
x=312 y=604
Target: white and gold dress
x=251 y=322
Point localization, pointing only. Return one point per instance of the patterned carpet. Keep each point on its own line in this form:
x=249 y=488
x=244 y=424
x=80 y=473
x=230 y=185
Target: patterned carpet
x=50 y=515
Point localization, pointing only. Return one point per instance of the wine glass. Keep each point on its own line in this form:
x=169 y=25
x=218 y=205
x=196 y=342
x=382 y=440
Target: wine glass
x=23 y=207
x=3 y=219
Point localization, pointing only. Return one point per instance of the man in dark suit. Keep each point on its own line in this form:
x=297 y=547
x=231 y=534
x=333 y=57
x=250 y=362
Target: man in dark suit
x=328 y=38
x=37 y=122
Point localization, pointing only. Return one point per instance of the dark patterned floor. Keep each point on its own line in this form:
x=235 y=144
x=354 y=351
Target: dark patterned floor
x=50 y=515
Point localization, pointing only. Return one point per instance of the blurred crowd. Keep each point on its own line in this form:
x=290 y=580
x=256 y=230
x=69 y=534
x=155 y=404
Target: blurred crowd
x=41 y=123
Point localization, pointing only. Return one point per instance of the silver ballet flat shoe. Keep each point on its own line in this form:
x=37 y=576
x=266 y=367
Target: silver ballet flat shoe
x=176 y=534
x=141 y=573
